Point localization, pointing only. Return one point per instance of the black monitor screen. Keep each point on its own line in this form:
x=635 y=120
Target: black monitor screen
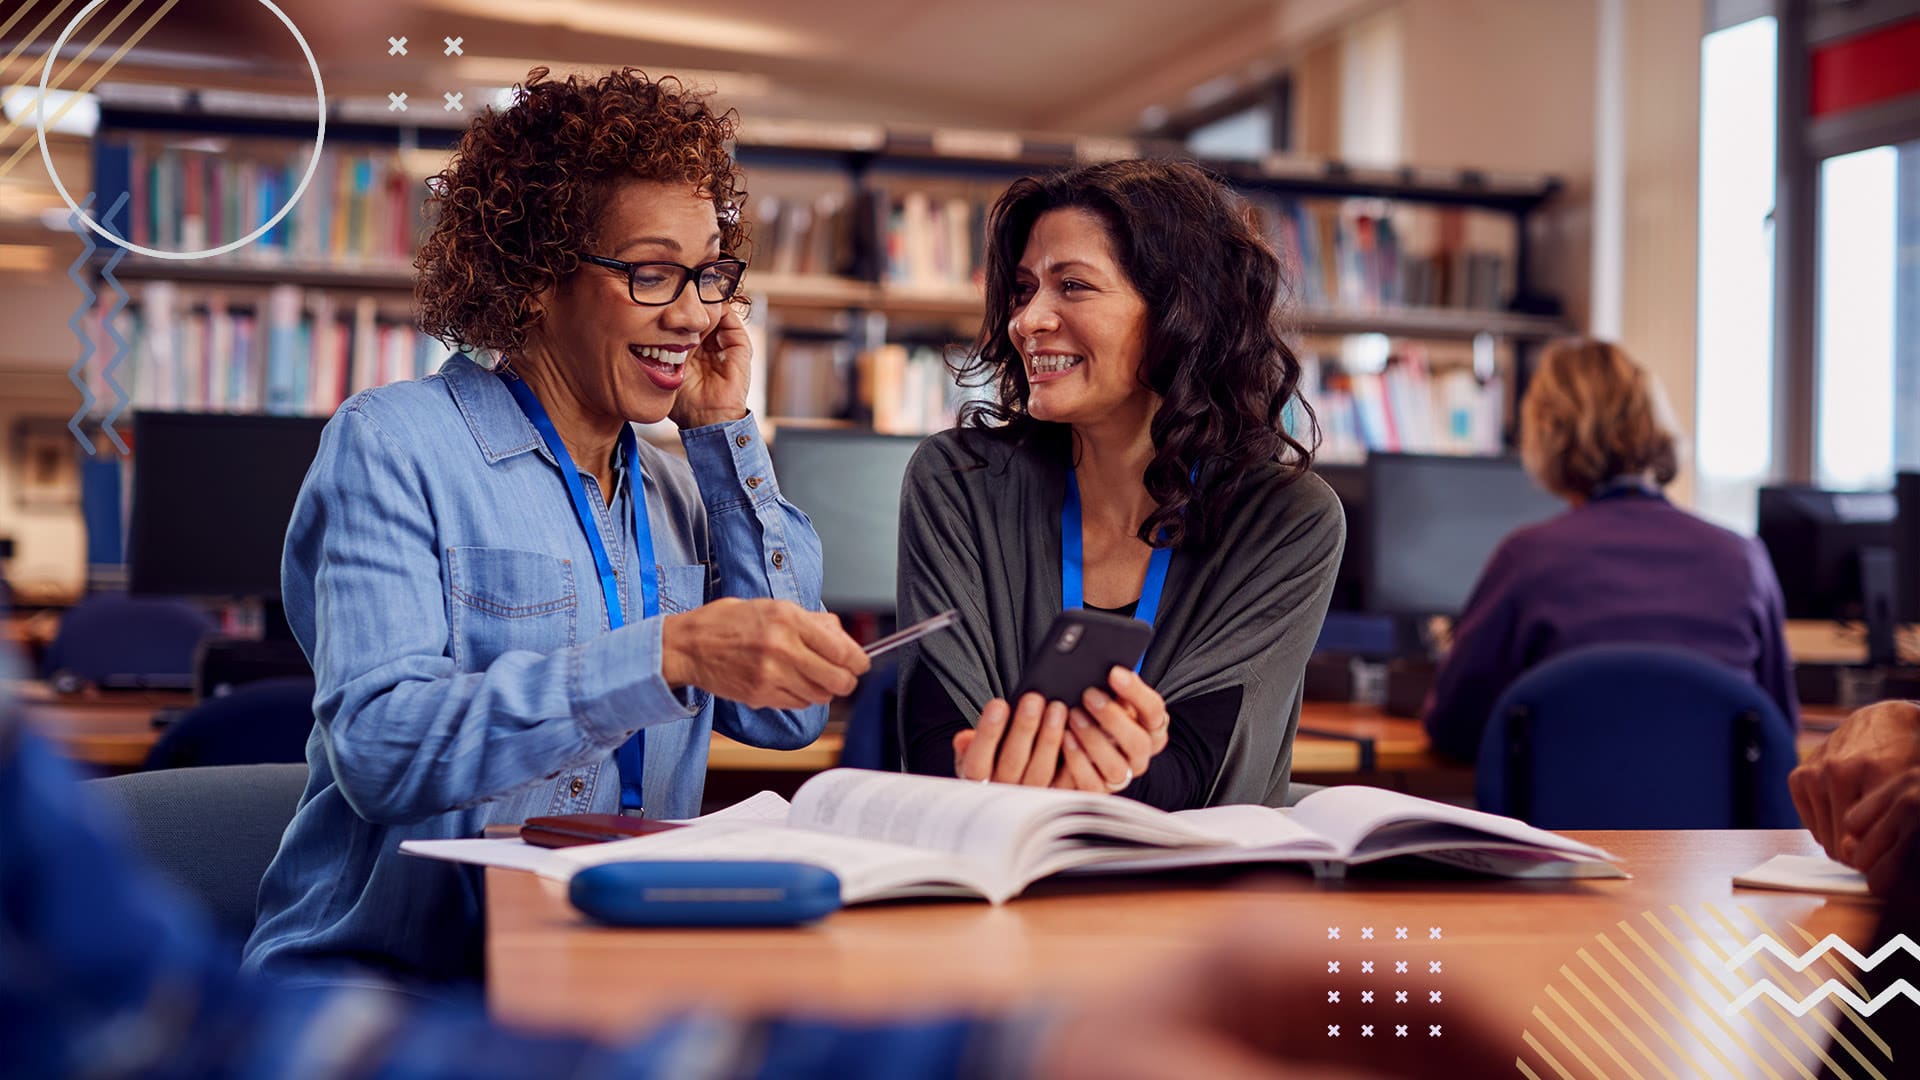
x=1814 y=539
x=1906 y=545
x=212 y=494
x=848 y=482
x=1433 y=521
x=1349 y=482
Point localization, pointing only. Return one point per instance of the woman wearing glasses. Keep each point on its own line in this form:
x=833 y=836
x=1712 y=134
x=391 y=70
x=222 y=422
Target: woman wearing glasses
x=1134 y=459
x=513 y=606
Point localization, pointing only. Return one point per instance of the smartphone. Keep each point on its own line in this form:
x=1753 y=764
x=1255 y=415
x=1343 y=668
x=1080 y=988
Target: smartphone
x=1078 y=651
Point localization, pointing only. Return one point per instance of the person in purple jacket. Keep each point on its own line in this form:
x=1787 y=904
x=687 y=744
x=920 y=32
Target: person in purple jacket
x=1622 y=565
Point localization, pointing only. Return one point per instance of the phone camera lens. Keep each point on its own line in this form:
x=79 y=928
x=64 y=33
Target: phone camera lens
x=1068 y=639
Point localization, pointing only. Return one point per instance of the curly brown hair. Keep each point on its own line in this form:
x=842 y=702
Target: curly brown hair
x=518 y=204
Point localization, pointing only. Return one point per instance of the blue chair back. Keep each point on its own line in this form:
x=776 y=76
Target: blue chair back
x=113 y=639
x=212 y=831
x=258 y=723
x=1637 y=737
x=871 y=740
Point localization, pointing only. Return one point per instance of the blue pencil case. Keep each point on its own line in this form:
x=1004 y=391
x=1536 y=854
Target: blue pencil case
x=705 y=893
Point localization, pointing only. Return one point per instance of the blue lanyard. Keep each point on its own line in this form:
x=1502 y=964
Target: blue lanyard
x=1073 y=564
x=631 y=757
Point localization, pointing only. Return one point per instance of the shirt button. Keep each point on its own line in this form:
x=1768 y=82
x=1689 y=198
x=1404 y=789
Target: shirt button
x=742 y=440
x=753 y=482
x=579 y=785
x=779 y=559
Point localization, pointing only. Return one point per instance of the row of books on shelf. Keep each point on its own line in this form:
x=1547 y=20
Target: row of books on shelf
x=895 y=389
x=293 y=352
x=1367 y=255
x=1403 y=407
x=911 y=239
x=195 y=193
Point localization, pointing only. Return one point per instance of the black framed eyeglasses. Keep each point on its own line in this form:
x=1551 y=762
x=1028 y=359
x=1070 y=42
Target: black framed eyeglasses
x=657 y=284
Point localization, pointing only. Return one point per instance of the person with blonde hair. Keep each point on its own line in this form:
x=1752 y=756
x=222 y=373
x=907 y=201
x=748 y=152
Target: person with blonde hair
x=1621 y=566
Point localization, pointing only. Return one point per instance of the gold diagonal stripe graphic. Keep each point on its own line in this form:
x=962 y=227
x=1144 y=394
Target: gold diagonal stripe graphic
x=1716 y=1009
x=18 y=14
x=1845 y=973
x=1592 y=1032
x=1632 y=1003
x=1593 y=1067
x=33 y=35
x=89 y=84
x=1667 y=1004
x=1521 y=1064
x=1618 y=1024
x=1783 y=980
x=1712 y=1009
x=1819 y=1017
x=74 y=64
x=1546 y=1057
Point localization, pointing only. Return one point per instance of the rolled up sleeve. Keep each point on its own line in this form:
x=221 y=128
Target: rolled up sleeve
x=763 y=548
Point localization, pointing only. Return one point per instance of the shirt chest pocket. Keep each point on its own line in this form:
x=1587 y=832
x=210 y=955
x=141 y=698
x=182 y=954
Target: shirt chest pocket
x=503 y=600
x=682 y=588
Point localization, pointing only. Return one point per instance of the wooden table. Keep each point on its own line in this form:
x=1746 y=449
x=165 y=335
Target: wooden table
x=114 y=731
x=1504 y=942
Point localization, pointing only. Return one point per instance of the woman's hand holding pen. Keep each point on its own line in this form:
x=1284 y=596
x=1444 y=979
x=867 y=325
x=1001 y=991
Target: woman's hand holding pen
x=761 y=653
x=1101 y=744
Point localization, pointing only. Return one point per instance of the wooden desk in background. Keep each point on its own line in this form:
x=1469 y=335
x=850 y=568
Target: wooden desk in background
x=548 y=968
x=114 y=732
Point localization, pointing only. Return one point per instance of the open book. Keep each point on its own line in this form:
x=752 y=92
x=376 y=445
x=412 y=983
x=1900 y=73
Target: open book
x=889 y=835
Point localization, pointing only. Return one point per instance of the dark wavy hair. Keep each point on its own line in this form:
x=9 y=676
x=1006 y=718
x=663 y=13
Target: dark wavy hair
x=1215 y=350
x=519 y=202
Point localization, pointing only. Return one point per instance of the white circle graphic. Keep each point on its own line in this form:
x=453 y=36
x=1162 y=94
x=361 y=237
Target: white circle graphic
x=40 y=126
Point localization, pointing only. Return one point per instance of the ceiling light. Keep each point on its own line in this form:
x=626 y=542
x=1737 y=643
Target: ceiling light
x=65 y=115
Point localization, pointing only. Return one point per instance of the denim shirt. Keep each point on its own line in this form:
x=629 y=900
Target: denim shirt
x=445 y=593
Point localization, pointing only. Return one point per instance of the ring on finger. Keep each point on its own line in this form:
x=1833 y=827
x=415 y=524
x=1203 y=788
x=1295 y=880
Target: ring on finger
x=1122 y=785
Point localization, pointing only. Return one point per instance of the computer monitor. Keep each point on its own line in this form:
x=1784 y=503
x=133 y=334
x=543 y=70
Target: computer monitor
x=1434 y=520
x=848 y=482
x=1906 y=544
x=1349 y=483
x=212 y=495
x=1816 y=539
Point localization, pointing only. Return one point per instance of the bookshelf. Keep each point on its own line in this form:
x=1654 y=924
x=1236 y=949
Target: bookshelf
x=866 y=257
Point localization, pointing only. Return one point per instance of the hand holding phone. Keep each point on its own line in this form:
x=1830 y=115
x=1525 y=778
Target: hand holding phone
x=1077 y=652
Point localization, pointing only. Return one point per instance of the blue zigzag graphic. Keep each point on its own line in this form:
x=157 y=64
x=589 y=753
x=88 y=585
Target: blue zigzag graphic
x=78 y=325
x=120 y=399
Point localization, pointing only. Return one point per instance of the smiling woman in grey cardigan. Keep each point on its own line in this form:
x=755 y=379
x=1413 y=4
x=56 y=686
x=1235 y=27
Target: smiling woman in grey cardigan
x=1141 y=383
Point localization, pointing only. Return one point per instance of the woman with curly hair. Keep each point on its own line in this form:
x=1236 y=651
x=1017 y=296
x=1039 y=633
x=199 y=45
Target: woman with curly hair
x=1621 y=566
x=1142 y=383
x=514 y=607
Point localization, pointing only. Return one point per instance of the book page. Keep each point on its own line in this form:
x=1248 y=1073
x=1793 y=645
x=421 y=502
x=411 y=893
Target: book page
x=1261 y=827
x=1805 y=873
x=764 y=806
x=1370 y=823
x=1020 y=832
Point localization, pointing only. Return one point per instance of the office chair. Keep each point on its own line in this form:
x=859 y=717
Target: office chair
x=113 y=639
x=1637 y=737
x=260 y=722
x=211 y=831
x=872 y=731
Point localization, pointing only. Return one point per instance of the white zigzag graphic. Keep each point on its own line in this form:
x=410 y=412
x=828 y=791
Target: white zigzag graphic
x=1830 y=943
x=1830 y=988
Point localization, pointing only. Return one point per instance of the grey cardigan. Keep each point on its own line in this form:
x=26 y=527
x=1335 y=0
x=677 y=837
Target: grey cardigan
x=1245 y=612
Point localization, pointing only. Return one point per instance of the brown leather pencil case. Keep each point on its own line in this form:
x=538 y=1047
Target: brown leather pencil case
x=569 y=830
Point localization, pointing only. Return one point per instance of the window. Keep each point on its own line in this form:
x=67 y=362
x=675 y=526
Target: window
x=1733 y=449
